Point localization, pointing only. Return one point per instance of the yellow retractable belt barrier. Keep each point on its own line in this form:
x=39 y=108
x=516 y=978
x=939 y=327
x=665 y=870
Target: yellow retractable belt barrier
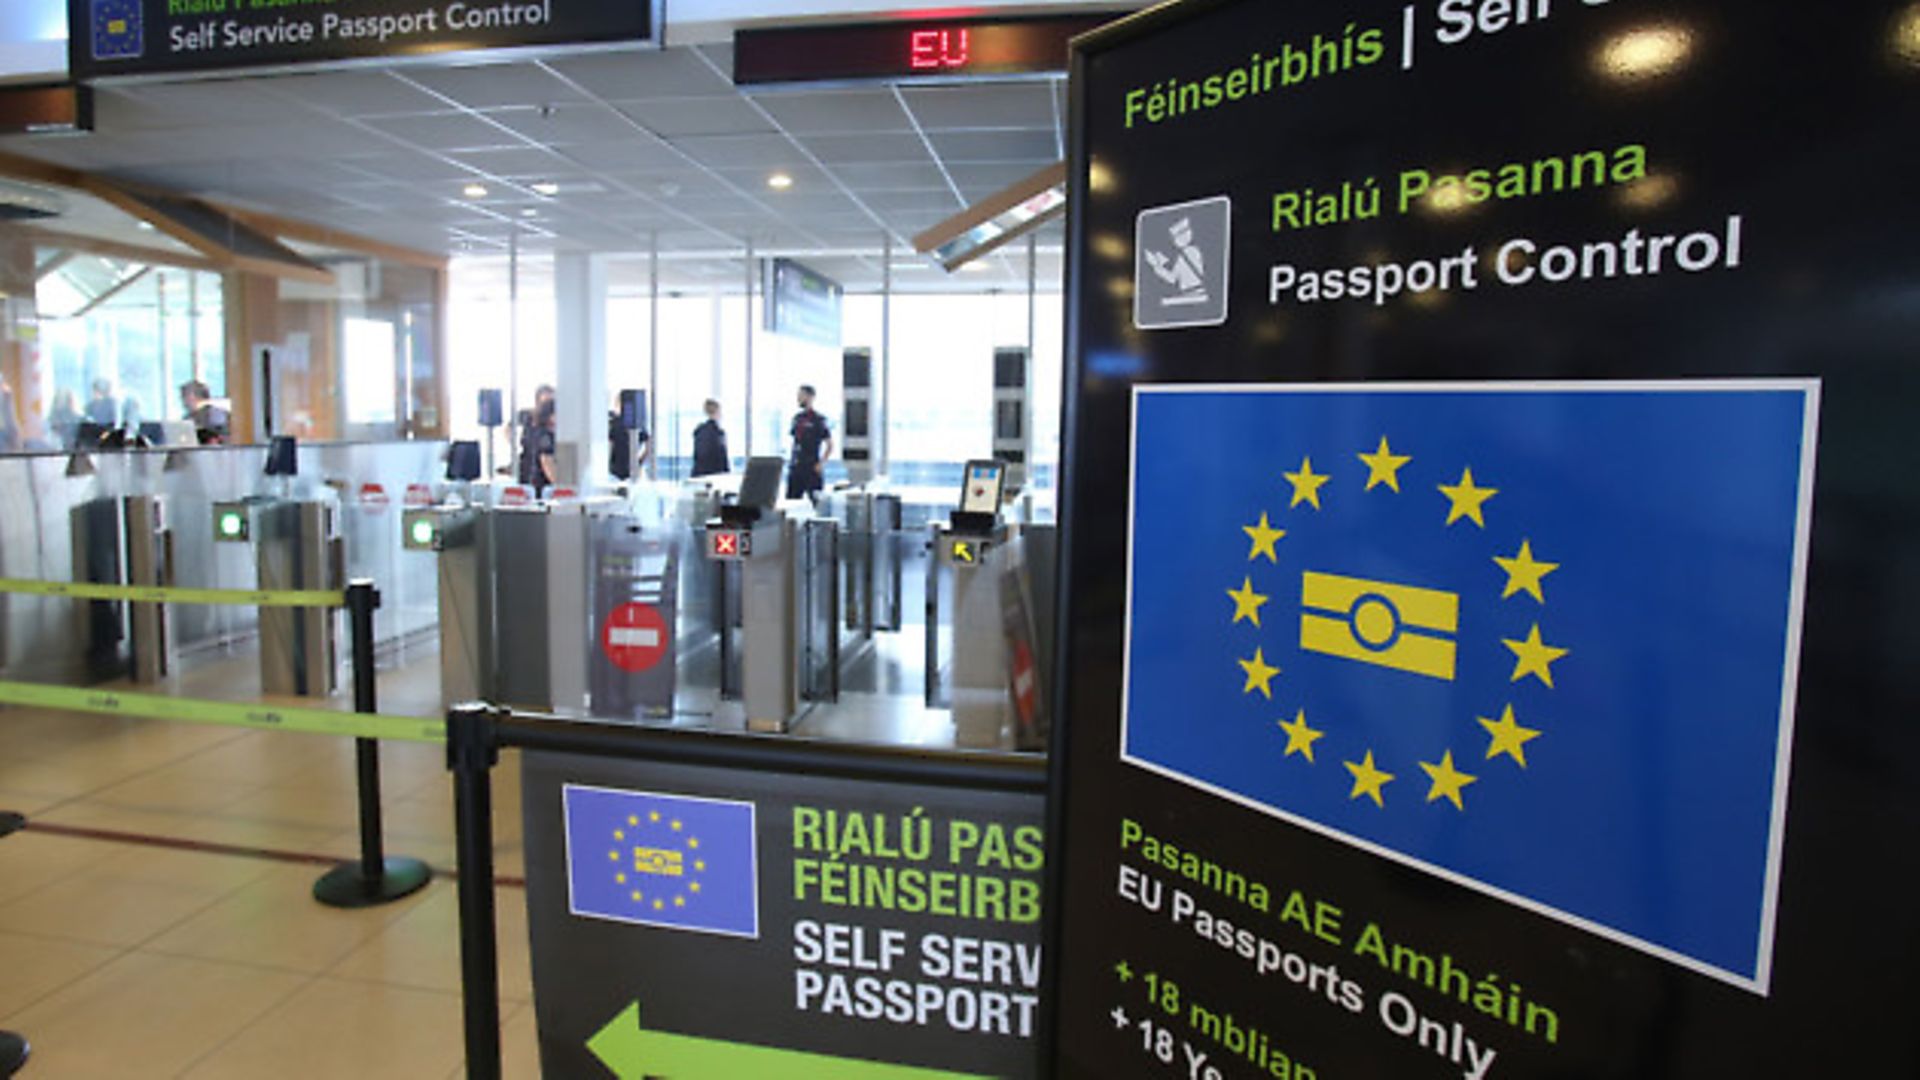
x=261 y=717
x=154 y=594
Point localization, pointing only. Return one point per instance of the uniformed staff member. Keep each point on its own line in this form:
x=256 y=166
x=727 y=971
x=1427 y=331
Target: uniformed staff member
x=537 y=446
x=812 y=446
x=710 y=444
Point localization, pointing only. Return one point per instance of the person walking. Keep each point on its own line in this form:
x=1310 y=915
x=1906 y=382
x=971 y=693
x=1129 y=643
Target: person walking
x=710 y=444
x=812 y=446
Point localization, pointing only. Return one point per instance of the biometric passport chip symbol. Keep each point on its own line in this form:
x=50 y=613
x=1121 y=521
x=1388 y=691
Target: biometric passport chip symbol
x=1181 y=263
x=1522 y=636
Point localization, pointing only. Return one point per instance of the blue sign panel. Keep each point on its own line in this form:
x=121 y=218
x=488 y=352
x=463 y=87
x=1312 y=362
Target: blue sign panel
x=119 y=29
x=662 y=860
x=1540 y=640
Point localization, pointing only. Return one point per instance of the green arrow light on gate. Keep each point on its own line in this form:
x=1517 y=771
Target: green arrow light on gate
x=423 y=533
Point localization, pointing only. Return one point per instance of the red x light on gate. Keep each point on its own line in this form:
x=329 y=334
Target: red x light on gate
x=728 y=544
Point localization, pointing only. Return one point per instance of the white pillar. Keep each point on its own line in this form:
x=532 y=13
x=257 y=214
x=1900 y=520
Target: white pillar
x=580 y=390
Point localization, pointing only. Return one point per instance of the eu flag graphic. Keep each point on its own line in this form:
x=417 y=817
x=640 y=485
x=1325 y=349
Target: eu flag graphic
x=1538 y=639
x=662 y=860
x=119 y=29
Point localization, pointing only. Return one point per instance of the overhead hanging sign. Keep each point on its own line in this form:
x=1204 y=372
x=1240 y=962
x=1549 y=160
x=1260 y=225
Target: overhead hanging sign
x=117 y=38
x=910 y=48
x=1498 y=693
x=712 y=922
x=802 y=303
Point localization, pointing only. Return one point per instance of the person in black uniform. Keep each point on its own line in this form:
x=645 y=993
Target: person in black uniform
x=537 y=445
x=710 y=444
x=620 y=460
x=812 y=446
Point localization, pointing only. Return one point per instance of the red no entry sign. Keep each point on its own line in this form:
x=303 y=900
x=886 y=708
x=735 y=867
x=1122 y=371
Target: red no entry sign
x=634 y=637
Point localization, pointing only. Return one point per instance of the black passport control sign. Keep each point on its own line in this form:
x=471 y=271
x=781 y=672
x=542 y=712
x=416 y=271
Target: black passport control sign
x=123 y=38
x=1486 y=514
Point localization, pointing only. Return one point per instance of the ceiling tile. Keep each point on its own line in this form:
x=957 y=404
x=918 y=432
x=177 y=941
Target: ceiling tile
x=806 y=179
x=409 y=167
x=995 y=145
x=697 y=116
x=349 y=93
x=836 y=112
x=517 y=161
x=867 y=149
x=632 y=76
x=492 y=86
x=982 y=105
x=740 y=151
x=892 y=177
x=977 y=181
x=442 y=131
x=632 y=152
x=933 y=202
x=565 y=125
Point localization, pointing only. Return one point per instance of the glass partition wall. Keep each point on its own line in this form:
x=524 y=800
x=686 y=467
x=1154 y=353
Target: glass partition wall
x=689 y=328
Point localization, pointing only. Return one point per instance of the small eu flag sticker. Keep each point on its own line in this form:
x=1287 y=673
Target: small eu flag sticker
x=671 y=861
x=119 y=30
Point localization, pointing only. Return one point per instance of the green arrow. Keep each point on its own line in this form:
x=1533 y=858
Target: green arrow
x=633 y=1052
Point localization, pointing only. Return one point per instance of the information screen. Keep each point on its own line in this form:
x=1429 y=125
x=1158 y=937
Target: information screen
x=908 y=49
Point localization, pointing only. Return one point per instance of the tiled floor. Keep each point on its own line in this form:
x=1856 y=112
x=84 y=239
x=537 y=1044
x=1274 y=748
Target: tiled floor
x=124 y=959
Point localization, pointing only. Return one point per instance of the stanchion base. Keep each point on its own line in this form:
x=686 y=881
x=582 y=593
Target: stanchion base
x=345 y=886
x=11 y=822
x=13 y=1053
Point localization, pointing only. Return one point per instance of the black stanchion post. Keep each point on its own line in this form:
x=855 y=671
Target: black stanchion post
x=376 y=878
x=472 y=751
x=13 y=1053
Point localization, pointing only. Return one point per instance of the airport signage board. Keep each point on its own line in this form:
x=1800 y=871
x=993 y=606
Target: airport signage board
x=1482 y=413
x=802 y=303
x=943 y=48
x=706 y=921
x=122 y=38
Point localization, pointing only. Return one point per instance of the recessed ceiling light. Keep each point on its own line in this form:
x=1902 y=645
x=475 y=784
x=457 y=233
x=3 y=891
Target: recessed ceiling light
x=145 y=226
x=976 y=267
x=779 y=181
x=547 y=188
x=474 y=191
x=529 y=212
x=1645 y=52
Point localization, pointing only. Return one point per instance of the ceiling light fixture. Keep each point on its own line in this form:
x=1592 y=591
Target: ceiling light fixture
x=529 y=212
x=474 y=191
x=547 y=188
x=1906 y=36
x=779 y=181
x=1645 y=52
